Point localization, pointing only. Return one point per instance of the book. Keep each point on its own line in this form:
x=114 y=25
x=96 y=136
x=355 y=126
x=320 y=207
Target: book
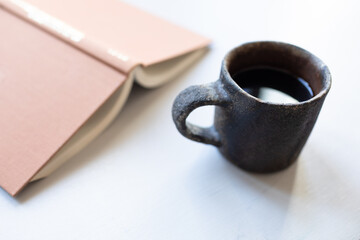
x=66 y=69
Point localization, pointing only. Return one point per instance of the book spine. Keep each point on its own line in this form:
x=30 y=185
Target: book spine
x=69 y=34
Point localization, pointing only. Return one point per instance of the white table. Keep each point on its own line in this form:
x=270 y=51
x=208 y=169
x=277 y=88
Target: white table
x=142 y=180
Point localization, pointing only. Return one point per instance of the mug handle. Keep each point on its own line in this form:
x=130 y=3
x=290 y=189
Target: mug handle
x=192 y=98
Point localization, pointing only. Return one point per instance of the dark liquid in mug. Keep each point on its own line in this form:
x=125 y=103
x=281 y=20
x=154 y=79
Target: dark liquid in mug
x=263 y=83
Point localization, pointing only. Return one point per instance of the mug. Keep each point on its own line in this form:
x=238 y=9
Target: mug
x=254 y=134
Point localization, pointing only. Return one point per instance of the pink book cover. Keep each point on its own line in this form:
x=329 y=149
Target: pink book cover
x=59 y=62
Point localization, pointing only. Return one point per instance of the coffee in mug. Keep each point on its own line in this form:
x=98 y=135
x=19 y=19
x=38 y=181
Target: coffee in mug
x=256 y=134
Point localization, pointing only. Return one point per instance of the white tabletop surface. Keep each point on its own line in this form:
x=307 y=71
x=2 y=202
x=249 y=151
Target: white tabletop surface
x=142 y=180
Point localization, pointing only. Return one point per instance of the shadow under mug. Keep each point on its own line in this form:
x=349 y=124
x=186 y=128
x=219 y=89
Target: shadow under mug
x=254 y=134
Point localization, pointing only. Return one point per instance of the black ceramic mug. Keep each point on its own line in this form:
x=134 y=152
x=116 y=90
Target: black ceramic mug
x=254 y=134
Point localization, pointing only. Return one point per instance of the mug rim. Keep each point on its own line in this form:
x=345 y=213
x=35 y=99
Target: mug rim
x=326 y=85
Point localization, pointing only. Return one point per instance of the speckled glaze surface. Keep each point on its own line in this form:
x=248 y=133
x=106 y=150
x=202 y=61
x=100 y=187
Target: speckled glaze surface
x=256 y=135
